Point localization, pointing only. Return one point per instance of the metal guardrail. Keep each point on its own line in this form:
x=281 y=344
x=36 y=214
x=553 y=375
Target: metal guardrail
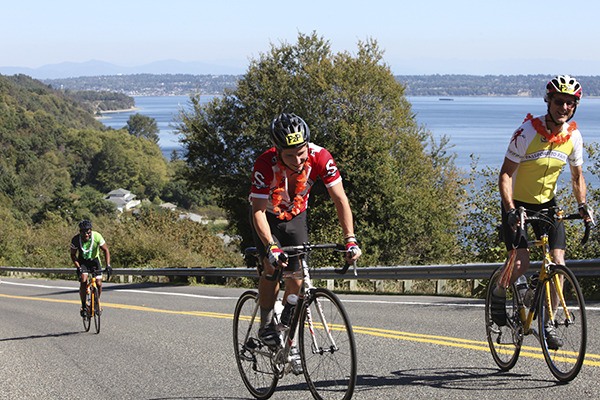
x=581 y=268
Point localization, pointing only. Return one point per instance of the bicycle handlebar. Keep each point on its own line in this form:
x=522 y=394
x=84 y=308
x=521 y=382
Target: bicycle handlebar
x=549 y=216
x=297 y=250
x=104 y=271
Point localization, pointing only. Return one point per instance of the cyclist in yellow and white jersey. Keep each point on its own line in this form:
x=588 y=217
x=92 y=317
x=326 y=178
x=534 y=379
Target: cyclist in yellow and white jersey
x=537 y=153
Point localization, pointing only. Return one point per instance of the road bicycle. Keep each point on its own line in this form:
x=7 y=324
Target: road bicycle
x=552 y=296
x=92 y=303
x=319 y=326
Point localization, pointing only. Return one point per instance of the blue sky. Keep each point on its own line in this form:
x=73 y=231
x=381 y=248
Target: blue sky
x=418 y=37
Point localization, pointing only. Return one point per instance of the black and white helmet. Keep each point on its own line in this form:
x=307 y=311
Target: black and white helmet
x=85 y=225
x=289 y=131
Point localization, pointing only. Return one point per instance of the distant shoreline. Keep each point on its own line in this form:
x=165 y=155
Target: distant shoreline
x=101 y=116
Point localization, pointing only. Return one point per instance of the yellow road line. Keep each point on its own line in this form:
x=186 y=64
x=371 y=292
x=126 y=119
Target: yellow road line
x=526 y=351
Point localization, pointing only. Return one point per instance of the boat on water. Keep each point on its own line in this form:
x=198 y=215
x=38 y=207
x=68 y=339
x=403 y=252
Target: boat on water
x=446 y=99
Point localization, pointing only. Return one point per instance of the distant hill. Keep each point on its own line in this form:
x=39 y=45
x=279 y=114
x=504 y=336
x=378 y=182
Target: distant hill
x=416 y=85
x=98 y=68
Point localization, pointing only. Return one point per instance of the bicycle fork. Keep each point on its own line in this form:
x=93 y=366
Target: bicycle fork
x=316 y=348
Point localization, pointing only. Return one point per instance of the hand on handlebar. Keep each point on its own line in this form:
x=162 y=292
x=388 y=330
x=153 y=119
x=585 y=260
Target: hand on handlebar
x=108 y=272
x=352 y=252
x=277 y=258
x=512 y=218
x=587 y=212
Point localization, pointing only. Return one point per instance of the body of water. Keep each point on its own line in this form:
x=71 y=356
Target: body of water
x=164 y=109
x=479 y=127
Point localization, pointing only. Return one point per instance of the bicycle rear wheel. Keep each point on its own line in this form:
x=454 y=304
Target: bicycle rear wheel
x=253 y=358
x=504 y=341
x=569 y=324
x=96 y=309
x=327 y=347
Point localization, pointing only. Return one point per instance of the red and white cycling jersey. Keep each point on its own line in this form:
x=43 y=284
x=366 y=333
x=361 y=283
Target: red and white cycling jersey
x=269 y=174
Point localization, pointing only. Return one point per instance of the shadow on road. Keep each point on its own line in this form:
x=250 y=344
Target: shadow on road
x=460 y=378
x=41 y=336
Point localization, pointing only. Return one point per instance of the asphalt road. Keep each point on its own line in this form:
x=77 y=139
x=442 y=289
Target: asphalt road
x=174 y=342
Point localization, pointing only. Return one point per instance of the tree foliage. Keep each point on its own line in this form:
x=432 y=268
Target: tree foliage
x=403 y=192
x=56 y=164
x=51 y=149
x=142 y=126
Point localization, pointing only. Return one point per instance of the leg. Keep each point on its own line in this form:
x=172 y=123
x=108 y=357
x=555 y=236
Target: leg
x=82 y=288
x=267 y=295
x=99 y=284
x=498 y=294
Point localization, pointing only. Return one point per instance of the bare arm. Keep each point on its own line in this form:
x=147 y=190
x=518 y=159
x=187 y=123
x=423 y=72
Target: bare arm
x=342 y=206
x=104 y=248
x=344 y=213
x=578 y=182
x=74 y=258
x=259 y=219
x=505 y=183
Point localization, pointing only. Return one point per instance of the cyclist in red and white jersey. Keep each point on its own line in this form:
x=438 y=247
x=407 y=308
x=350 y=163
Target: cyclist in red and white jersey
x=537 y=153
x=281 y=182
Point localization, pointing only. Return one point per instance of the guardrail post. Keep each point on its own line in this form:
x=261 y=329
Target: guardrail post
x=440 y=286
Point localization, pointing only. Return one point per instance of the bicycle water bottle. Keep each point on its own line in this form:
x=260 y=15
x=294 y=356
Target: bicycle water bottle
x=522 y=286
x=530 y=293
x=288 y=309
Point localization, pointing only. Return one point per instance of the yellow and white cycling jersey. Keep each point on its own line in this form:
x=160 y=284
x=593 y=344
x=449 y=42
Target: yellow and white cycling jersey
x=541 y=160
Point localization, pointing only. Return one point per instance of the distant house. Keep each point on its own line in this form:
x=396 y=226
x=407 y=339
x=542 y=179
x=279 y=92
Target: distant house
x=123 y=199
x=169 y=206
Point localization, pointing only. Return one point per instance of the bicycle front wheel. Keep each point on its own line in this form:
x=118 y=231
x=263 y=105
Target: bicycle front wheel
x=96 y=309
x=87 y=317
x=504 y=340
x=562 y=323
x=252 y=356
x=327 y=347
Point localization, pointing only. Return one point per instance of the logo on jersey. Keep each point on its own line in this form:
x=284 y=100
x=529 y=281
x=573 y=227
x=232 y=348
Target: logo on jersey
x=294 y=139
x=259 y=181
x=331 y=168
x=518 y=133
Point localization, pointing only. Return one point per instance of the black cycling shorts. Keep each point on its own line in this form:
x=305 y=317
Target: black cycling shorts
x=556 y=234
x=285 y=233
x=91 y=266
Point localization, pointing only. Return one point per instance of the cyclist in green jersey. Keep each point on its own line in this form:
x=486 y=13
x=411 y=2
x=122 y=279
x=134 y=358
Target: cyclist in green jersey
x=85 y=254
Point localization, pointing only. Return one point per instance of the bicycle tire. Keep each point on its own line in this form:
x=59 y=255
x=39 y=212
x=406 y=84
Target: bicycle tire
x=87 y=318
x=96 y=309
x=252 y=357
x=504 y=341
x=566 y=361
x=329 y=365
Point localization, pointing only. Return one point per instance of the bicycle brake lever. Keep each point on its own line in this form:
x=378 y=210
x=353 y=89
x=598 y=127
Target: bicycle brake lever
x=586 y=234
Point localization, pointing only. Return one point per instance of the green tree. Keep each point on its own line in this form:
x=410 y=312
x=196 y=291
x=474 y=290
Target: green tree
x=404 y=192
x=143 y=126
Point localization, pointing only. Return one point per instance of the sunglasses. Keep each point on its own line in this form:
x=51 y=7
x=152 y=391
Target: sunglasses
x=86 y=232
x=561 y=103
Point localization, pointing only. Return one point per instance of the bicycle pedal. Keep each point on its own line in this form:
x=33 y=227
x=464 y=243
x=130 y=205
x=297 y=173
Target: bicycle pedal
x=252 y=344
